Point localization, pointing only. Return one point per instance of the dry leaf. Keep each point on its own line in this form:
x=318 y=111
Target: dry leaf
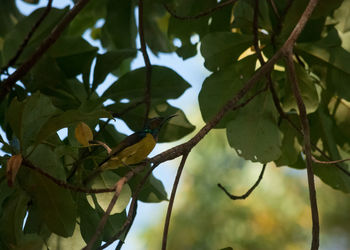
x=83 y=133
x=13 y=165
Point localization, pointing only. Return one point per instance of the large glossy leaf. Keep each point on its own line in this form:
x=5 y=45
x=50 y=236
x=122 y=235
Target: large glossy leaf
x=66 y=119
x=55 y=203
x=28 y=117
x=254 y=132
x=291 y=147
x=9 y=16
x=89 y=220
x=329 y=60
x=109 y=62
x=223 y=48
x=19 y=32
x=119 y=30
x=14 y=210
x=152 y=191
x=222 y=86
x=73 y=55
x=165 y=84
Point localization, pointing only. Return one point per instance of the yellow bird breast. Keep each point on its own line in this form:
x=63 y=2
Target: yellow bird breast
x=132 y=154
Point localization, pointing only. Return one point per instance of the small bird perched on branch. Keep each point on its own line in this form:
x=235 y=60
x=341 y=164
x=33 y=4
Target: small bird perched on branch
x=134 y=148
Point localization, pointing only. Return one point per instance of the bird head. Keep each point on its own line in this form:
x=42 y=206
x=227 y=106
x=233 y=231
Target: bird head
x=153 y=125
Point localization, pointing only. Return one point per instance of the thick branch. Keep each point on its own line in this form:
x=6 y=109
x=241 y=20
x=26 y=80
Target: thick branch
x=148 y=65
x=171 y=201
x=44 y=46
x=307 y=144
x=28 y=37
x=203 y=13
x=244 y=196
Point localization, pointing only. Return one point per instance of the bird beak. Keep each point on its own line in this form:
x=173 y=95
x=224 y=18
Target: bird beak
x=166 y=119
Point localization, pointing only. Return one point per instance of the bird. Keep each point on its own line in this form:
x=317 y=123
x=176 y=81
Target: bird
x=133 y=149
x=136 y=147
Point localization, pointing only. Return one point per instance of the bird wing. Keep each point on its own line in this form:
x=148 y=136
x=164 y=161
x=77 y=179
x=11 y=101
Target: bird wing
x=127 y=142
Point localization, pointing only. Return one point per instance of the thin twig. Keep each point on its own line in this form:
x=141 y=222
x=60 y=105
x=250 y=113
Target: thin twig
x=121 y=242
x=244 y=196
x=9 y=82
x=307 y=145
x=201 y=14
x=131 y=208
x=64 y=184
x=241 y=105
x=148 y=65
x=13 y=60
x=171 y=201
x=118 y=188
x=329 y=162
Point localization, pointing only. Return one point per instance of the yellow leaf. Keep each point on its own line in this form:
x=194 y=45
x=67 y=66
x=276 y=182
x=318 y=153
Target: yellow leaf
x=83 y=134
x=13 y=165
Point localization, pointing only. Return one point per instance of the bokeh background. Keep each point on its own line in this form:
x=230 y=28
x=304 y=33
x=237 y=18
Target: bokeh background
x=275 y=216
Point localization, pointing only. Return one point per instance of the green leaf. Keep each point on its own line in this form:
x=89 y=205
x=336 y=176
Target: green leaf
x=243 y=16
x=223 y=48
x=74 y=242
x=165 y=84
x=87 y=17
x=89 y=220
x=108 y=179
x=113 y=225
x=153 y=191
x=73 y=55
x=30 y=242
x=9 y=16
x=291 y=147
x=307 y=90
x=66 y=119
x=55 y=203
x=14 y=210
x=331 y=175
x=19 y=32
x=329 y=61
x=28 y=117
x=254 y=132
x=120 y=19
x=222 y=86
x=341 y=15
x=109 y=62
x=155 y=23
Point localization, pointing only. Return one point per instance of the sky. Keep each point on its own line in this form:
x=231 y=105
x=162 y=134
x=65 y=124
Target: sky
x=193 y=71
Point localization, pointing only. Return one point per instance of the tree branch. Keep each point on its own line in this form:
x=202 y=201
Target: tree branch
x=148 y=65
x=64 y=184
x=307 y=144
x=329 y=162
x=171 y=201
x=131 y=208
x=9 y=82
x=265 y=69
x=118 y=188
x=13 y=60
x=121 y=242
x=244 y=196
x=201 y=14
